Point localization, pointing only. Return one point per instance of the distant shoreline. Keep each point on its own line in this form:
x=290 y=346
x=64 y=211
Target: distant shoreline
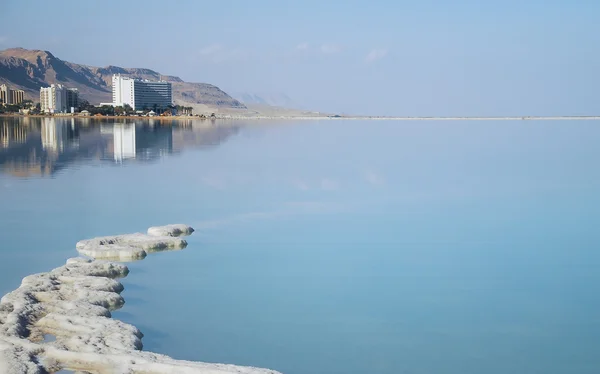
x=391 y=118
x=316 y=117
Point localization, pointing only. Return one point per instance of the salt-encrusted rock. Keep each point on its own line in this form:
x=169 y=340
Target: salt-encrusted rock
x=138 y=240
x=78 y=260
x=128 y=246
x=18 y=359
x=142 y=362
x=77 y=288
x=171 y=230
x=76 y=308
x=104 y=335
x=72 y=304
x=113 y=252
x=103 y=269
x=94 y=283
x=136 y=246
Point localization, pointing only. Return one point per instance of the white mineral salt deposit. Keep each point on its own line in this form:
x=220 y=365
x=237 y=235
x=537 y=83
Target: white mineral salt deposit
x=135 y=246
x=73 y=304
x=171 y=230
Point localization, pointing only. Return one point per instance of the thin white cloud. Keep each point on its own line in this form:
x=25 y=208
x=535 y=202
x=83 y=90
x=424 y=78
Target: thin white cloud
x=313 y=207
x=329 y=49
x=303 y=46
x=211 y=50
x=374 y=178
x=375 y=55
x=328 y=184
x=238 y=54
x=323 y=184
x=219 y=53
x=3 y=39
x=300 y=184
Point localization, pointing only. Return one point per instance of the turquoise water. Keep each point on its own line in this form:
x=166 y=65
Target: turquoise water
x=329 y=247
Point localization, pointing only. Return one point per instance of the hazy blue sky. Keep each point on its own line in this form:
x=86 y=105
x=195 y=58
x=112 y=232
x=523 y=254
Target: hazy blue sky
x=469 y=57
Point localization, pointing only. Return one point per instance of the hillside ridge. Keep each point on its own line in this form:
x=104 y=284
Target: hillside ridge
x=29 y=70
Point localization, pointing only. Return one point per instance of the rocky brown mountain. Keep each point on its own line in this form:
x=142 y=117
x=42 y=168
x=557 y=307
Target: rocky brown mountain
x=31 y=69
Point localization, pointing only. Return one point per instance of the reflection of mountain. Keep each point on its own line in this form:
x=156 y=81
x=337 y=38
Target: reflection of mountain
x=201 y=135
x=153 y=142
x=42 y=146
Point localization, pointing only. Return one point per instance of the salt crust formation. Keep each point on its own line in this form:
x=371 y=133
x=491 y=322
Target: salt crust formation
x=171 y=230
x=62 y=319
x=135 y=246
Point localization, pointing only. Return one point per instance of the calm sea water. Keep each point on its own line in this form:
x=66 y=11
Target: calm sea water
x=329 y=247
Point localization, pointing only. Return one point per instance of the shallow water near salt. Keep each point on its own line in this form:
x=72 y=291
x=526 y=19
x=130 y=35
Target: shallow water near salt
x=328 y=246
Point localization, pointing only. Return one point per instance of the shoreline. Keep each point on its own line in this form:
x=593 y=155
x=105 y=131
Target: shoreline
x=316 y=118
x=382 y=118
x=61 y=319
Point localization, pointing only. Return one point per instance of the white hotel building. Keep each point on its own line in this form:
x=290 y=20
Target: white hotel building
x=141 y=94
x=58 y=99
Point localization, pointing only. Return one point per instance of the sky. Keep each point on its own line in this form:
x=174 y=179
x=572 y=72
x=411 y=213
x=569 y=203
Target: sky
x=378 y=57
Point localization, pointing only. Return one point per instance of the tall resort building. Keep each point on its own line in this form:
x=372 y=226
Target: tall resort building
x=141 y=94
x=52 y=99
x=72 y=97
x=5 y=95
x=10 y=96
x=58 y=99
x=17 y=96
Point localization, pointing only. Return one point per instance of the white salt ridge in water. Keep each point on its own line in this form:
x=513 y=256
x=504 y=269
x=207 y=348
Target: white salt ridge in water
x=171 y=230
x=72 y=304
x=135 y=246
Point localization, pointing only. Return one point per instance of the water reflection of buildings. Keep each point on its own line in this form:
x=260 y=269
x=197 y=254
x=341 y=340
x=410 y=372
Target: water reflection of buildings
x=42 y=146
x=141 y=142
x=123 y=141
x=57 y=136
x=153 y=141
x=204 y=135
x=11 y=135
